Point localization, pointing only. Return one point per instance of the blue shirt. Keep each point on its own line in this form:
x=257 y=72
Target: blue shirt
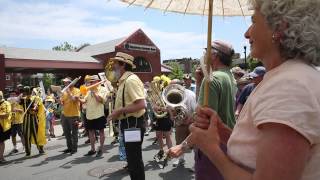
x=245 y=93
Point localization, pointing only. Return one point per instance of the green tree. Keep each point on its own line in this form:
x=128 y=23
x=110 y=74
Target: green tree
x=48 y=79
x=64 y=47
x=26 y=81
x=252 y=63
x=177 y=72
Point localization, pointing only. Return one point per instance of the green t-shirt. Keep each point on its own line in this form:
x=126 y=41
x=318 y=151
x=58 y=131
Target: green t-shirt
x=222 y=90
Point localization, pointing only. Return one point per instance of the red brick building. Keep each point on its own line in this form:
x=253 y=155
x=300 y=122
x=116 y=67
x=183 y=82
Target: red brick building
x=89 y=59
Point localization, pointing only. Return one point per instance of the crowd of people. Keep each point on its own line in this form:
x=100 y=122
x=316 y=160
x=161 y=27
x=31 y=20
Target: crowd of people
x=257 y=125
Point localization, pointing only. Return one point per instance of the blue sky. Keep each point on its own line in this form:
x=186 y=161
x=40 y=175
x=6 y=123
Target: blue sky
x=43 y=24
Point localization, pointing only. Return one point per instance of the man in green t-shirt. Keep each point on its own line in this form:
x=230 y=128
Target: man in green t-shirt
x=222 y=90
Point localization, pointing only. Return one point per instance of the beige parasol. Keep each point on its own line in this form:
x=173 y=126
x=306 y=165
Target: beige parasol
x=199 y=7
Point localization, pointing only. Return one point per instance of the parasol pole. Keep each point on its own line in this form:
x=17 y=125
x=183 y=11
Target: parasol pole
x=208 y=55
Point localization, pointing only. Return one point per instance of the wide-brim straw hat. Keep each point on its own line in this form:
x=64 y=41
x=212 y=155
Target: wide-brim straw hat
x=94 y=78
x=124 y=57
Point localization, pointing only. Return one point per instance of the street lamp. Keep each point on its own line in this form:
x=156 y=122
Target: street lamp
x=245 y=56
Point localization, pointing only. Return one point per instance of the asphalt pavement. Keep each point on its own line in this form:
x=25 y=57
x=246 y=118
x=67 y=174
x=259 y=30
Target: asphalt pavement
x=55 y=165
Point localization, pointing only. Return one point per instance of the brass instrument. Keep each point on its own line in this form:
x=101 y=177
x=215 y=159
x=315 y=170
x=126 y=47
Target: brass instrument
x=110 y=75
x=108 y=70
x=84 y=89
x=111 y=106
x=174 y=96
x=71 y=84
x=154 y=94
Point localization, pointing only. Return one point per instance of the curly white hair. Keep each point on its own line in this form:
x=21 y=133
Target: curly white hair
x=301 y=36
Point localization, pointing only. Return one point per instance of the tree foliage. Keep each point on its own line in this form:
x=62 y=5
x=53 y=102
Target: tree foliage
x=177 y=72
x=252 y=63
x=64 y=47
x=48 y=79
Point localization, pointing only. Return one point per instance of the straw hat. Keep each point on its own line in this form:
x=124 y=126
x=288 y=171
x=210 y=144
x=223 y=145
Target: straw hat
x=49 y=99
x=94 y=78
x=126 y=58
x=87 y=78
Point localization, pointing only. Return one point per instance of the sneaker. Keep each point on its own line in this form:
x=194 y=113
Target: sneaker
x=115 y=141
x=90 y=153
x=41 y=151
x=14 y=151
x=178 y=162
x=155 y=142
x=159 y=155
x=3 y=161
x=87 y=141
x=99 y=153
x=126 y=167
x=74 y=151
x=28 y=154
x=67 y=151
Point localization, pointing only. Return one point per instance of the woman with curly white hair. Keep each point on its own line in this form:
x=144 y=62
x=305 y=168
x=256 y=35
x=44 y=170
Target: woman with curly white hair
x=277 y=135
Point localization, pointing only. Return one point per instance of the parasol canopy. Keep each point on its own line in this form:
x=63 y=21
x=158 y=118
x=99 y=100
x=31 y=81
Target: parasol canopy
x=197 y=7
x=200 y=7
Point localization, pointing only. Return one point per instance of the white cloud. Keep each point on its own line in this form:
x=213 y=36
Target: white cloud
x=78 y=22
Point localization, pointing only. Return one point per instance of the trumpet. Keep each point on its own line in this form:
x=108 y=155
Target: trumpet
x=84 y=89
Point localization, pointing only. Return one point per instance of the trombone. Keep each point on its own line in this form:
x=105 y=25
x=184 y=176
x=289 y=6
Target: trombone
x=84 y=89
x=71 y=84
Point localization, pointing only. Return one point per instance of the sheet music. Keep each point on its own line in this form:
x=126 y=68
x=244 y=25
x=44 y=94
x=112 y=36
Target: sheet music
x=107 y=83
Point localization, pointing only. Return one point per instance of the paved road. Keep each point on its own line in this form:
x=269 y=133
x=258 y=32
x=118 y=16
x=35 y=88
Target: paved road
x=57 y=166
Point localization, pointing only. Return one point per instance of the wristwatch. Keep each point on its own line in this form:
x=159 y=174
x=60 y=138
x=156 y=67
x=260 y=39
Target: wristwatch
x=185 y=146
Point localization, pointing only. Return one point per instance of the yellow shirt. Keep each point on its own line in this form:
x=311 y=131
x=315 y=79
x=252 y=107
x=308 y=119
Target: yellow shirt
x=134 y=90
x=95 y=109
x=71 y=107
x=5 y=108
x=17 y=116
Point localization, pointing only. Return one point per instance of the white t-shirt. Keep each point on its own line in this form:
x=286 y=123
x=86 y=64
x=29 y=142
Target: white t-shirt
x=191 y=101
x=289 y=95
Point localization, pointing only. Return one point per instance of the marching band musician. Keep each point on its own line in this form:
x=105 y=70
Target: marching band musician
x=33 y=122
x=164 y=124
x=16 y=119
x=83 y=111
x=70 y=115
x=95 y=115
x=5 y=124
x=182 y=128
x=129 y=110
x=49 y=105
